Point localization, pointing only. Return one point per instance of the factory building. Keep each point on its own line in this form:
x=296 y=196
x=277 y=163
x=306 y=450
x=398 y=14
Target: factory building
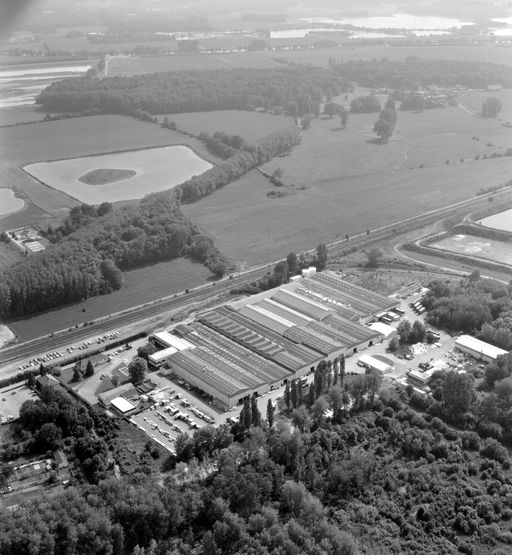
x=258 y=343
x=478 y=349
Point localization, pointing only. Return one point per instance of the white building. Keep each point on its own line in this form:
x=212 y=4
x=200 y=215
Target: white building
x=374 y=363
x=478 y=349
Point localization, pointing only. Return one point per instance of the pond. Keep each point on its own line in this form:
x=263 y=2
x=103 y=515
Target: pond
x=151 y=170
x=9 y=202
x=501 y=221
x=487 y=249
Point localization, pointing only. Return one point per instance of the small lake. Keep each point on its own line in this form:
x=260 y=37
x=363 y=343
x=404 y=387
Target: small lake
x=395 y=21
x=488 y=249
x=502 y=221
x=156 y=169
x=9 y=202
x=20 y=86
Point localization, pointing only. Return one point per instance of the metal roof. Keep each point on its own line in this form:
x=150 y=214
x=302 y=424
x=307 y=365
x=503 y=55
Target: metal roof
x=301 y=303
x=122 y=404
x=479 y=346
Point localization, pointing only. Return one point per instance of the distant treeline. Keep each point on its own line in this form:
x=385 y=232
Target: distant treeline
x=91 y=247
x=296 y=89
x=415 y=72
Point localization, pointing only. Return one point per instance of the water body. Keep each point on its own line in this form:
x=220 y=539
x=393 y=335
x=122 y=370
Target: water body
x=395 y=21
x=488 y=249
x=9 y=202
x=19 y=87
x=501 y=221
x=156 y=169
x=301 y=33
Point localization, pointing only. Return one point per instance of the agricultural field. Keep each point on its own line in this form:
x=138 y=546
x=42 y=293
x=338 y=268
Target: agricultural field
x=143 y=285
x=251 y=126
x=251 y=227
x=71 y=138
x=120 y=176
x=133 y=65
x=22 y=114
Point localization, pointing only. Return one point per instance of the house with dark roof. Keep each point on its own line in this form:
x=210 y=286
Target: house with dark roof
x=47 y=381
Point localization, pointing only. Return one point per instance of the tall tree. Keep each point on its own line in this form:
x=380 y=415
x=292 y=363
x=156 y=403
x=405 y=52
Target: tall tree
x=137 y=369
x=89 y=369
x=294 y=394
x=321 y=256
x=287 y=395
x=293 y=266
x=77 y=372
x=255 y=413
x=270 y=413
x=491 y=107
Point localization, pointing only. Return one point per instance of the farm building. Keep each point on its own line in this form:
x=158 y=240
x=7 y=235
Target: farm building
x=478 y=349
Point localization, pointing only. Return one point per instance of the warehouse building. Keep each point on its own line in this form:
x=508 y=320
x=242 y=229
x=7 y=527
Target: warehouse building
x=478 y=349
x=373 y=363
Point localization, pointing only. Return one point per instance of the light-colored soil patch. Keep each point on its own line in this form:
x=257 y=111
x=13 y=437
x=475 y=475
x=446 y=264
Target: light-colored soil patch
x=11 y=399
x=9 y=202
x=502 y=221
x=487 y=249
x=155 y=169
x=103 y=176
x=6 y=335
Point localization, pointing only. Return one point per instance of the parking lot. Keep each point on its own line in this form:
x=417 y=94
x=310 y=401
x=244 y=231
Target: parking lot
x=11 y=399
x=175 y=411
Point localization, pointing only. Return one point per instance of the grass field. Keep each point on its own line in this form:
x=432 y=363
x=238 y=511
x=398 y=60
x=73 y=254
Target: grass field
x=251 y=126
x=142 y=285
x=70 y=138
x=253 y=228
x=315 y=56
x=429 y=138
x=473 y=100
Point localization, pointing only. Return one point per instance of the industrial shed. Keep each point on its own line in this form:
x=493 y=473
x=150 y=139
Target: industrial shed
x=374 y=363
x=388 y=332
x=478 y=349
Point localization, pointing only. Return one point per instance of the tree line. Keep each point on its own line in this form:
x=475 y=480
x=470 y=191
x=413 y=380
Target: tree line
x=414 y=73
x=295 y=89
x=93 y=245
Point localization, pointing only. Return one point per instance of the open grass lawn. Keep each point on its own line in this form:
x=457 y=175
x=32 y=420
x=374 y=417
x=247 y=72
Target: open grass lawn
x=473 y=100
x=469 y=53
x=251 y=227
x=142 y=285
x=429 y=138
x=71 y=138
x=251 y=126
x=132 y=65
x=316 y=56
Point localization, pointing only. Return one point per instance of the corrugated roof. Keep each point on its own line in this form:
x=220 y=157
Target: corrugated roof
x=162 y=355
x=171 y=340
x=480 y=346
x=302 y=304
x=297 y=318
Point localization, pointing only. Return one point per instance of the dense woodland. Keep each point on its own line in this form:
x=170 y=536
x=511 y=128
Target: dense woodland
x=414 y=73
x=472 y=305
x=348 y=471
x=296 y=89
x=93 y=245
